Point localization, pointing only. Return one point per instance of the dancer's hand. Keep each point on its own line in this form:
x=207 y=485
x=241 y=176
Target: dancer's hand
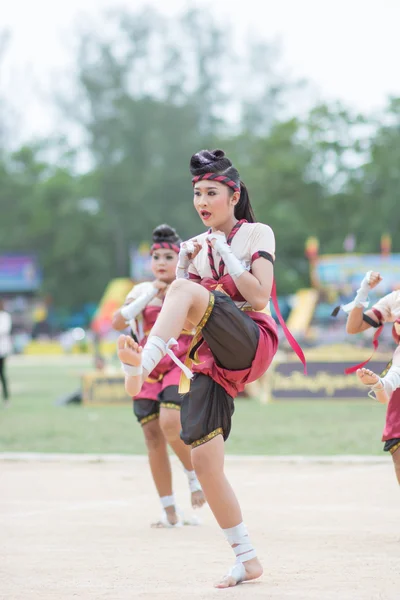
x=129 y=352
x=374 y=279
x=217 y=237
x=191 y=249
x=188 y=251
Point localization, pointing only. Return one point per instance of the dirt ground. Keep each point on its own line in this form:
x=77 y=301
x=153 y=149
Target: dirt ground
x=80 y=529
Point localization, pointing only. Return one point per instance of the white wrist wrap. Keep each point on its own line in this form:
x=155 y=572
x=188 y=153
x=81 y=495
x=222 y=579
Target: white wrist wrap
x=182 y=269
x=132 y=310
x=232 y=263
x=361 y=299
x=194 y=483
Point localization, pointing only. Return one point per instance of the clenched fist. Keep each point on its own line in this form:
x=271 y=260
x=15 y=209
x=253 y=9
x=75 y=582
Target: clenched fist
x=374 y=279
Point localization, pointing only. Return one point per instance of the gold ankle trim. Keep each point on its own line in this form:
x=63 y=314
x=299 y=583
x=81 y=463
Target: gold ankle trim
x=208 y=437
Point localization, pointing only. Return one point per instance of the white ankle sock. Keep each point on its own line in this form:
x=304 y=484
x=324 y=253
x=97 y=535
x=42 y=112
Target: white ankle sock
x=167 y=501
x=238 y=535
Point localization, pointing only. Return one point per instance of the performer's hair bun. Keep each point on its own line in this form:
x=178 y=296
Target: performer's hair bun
x=209 y=161
x=165 y=233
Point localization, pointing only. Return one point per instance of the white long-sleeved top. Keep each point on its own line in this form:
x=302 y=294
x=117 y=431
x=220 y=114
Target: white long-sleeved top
x=5 y=331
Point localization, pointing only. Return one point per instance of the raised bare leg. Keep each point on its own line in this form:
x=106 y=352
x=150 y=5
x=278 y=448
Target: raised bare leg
x=185 y=301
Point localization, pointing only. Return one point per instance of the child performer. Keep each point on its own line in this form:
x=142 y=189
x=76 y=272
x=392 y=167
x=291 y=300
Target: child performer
x=386 y=389
x=225 y=280
x=157 y=407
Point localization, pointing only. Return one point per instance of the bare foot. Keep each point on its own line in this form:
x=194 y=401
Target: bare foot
x=368 y=377
x=129 y=352
x=170 y=519
x=253 y=570
x=198 y=499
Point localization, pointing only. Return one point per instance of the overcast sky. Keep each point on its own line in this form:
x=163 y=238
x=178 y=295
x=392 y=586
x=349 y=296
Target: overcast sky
x=349 y=49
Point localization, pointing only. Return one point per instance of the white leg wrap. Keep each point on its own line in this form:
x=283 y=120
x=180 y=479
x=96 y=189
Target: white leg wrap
x=155 y=349
x=132 y=371
x=194 y=483
x=244 y=549
x=167 y=501
x=238 y=572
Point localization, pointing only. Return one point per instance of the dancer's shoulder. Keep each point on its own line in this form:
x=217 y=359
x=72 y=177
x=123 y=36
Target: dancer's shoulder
x=391 y=297
x=260 y=236
x=257 y=229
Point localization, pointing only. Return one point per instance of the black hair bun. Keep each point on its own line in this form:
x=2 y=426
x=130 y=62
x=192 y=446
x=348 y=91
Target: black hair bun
x=209 y=161
x=165 y=233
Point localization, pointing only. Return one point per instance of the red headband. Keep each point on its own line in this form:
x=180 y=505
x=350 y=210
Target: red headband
x=221 y=178
x=165 y=245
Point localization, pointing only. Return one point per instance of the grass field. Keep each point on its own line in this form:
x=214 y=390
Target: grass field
x=33 y=422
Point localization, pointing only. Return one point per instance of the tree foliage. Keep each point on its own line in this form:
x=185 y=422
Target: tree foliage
x=148 y=93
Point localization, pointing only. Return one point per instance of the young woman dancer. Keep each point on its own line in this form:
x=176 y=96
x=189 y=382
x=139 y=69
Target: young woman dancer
x=223 y=287
x=387 y=388
x=5 y=347
x=157 y=407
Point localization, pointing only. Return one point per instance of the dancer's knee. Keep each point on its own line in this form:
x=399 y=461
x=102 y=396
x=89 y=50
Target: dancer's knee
x=170 y=424
x=179 y=286
x=205 y=460
x=153 y=435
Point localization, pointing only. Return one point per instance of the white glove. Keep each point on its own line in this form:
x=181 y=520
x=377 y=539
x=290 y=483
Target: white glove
x=132 y=310
x=232 y=263
x=182 y=268
x=361 y=300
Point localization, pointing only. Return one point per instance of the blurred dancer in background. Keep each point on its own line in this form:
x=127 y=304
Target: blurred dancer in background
x=157 y=406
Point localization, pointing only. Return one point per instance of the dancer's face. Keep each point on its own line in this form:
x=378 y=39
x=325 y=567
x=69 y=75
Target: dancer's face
x=214 y=203
x=163 y=264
